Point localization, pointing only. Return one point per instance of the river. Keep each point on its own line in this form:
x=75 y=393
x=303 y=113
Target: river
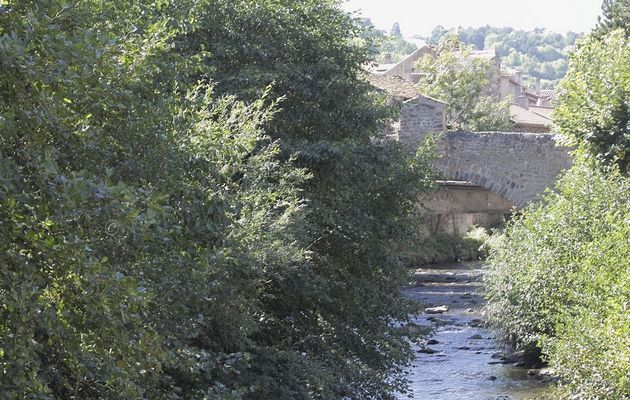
x=457 y=363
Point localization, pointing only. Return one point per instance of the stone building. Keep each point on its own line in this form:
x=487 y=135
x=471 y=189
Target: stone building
x=419 y=114
x=405 y=68
x=530 y=109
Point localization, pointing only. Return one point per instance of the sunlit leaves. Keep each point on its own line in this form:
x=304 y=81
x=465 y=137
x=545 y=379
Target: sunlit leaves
x=559 y=280
x=463 y=82
x=593 y=110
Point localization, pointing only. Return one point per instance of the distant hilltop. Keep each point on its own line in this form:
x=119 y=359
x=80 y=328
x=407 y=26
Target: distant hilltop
x=537 y=54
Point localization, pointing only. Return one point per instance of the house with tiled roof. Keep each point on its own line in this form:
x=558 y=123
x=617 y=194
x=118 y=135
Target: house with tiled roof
x=526 y=120
x=405 y=68
x=419 y=114
x=512 y=87
x=530 y=109
x=545 y=111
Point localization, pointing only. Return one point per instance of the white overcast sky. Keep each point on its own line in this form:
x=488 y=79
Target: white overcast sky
x=421 y=16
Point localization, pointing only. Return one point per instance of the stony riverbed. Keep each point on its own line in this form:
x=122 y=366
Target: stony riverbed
x=462 y=359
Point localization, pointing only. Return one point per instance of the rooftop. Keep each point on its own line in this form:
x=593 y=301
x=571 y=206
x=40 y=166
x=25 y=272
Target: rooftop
x=549 y=93
x=541 y=110
x=523 y=116
x=394 y=85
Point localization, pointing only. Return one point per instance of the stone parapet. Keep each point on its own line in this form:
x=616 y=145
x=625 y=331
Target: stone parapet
x=518 y=166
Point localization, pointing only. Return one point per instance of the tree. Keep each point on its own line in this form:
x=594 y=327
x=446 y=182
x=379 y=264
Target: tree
x=133 y=209
x=462 y=82
x=615 y=15
x=163 y=237
x=593 y=107
x=489 y=115
x=327 y=329
x=395 y=31
x=382 y=45
x=558 y=279
x=437 y=34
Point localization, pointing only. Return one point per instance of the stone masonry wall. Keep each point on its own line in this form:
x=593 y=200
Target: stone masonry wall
x=419 y=117
x=518 y=166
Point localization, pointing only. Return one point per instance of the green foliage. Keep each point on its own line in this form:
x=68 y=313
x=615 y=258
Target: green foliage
x=559 y=279
x=489 y=115
x=385 y=45
x=448 y=247
x=538 y=53
x=462 y=81
x=594 y=104
x=164 y=238
x=441 y=247
x=615 y=15
x=135 y=212
x=338 y=308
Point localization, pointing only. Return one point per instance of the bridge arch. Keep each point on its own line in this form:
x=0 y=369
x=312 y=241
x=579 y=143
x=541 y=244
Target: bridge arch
x=515 y=165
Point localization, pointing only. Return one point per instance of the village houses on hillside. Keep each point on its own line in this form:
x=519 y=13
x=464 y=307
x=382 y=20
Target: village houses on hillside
x=530 y=109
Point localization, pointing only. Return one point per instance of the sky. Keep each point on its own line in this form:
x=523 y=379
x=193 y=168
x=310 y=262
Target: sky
x=419 y=17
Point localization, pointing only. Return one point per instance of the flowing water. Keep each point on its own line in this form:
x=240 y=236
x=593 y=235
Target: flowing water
x=457 y=363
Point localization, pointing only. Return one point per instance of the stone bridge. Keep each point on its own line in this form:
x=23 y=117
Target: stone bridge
x=486 y=175
x=518 y=166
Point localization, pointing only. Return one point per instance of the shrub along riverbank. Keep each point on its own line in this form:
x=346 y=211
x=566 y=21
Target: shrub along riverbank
x=195 y=203
x=560 y=278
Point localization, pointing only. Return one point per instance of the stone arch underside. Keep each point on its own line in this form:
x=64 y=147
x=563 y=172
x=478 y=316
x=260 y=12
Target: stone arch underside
x=517 y=166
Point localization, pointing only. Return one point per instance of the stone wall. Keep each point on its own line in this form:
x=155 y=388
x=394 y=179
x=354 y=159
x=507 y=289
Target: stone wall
x=456 y=206
x=517 y=166
x=419 y=117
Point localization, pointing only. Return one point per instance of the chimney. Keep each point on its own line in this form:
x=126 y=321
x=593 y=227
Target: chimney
x=538 y=86
x=519 y=77
x=387 y=58
x=522 y=100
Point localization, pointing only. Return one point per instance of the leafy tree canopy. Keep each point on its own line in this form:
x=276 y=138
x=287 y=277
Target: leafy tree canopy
x=593 y=110
x=462 y=82
x=615 y=15
x=195 y=203
x=385 y=47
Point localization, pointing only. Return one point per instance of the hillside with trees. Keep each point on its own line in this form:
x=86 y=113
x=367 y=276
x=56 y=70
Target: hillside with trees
x=538 y=53
x=385 y=46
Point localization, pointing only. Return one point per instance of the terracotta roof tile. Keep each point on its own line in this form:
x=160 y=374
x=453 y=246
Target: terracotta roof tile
x=522 y=116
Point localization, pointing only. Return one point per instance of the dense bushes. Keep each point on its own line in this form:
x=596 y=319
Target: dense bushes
x=594 y=103
x=165 y=238
x=560 y=280
x=449 y=247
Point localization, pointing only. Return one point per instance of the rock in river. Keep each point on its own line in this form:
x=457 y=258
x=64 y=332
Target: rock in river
x=436 y=310
x=427 y=350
